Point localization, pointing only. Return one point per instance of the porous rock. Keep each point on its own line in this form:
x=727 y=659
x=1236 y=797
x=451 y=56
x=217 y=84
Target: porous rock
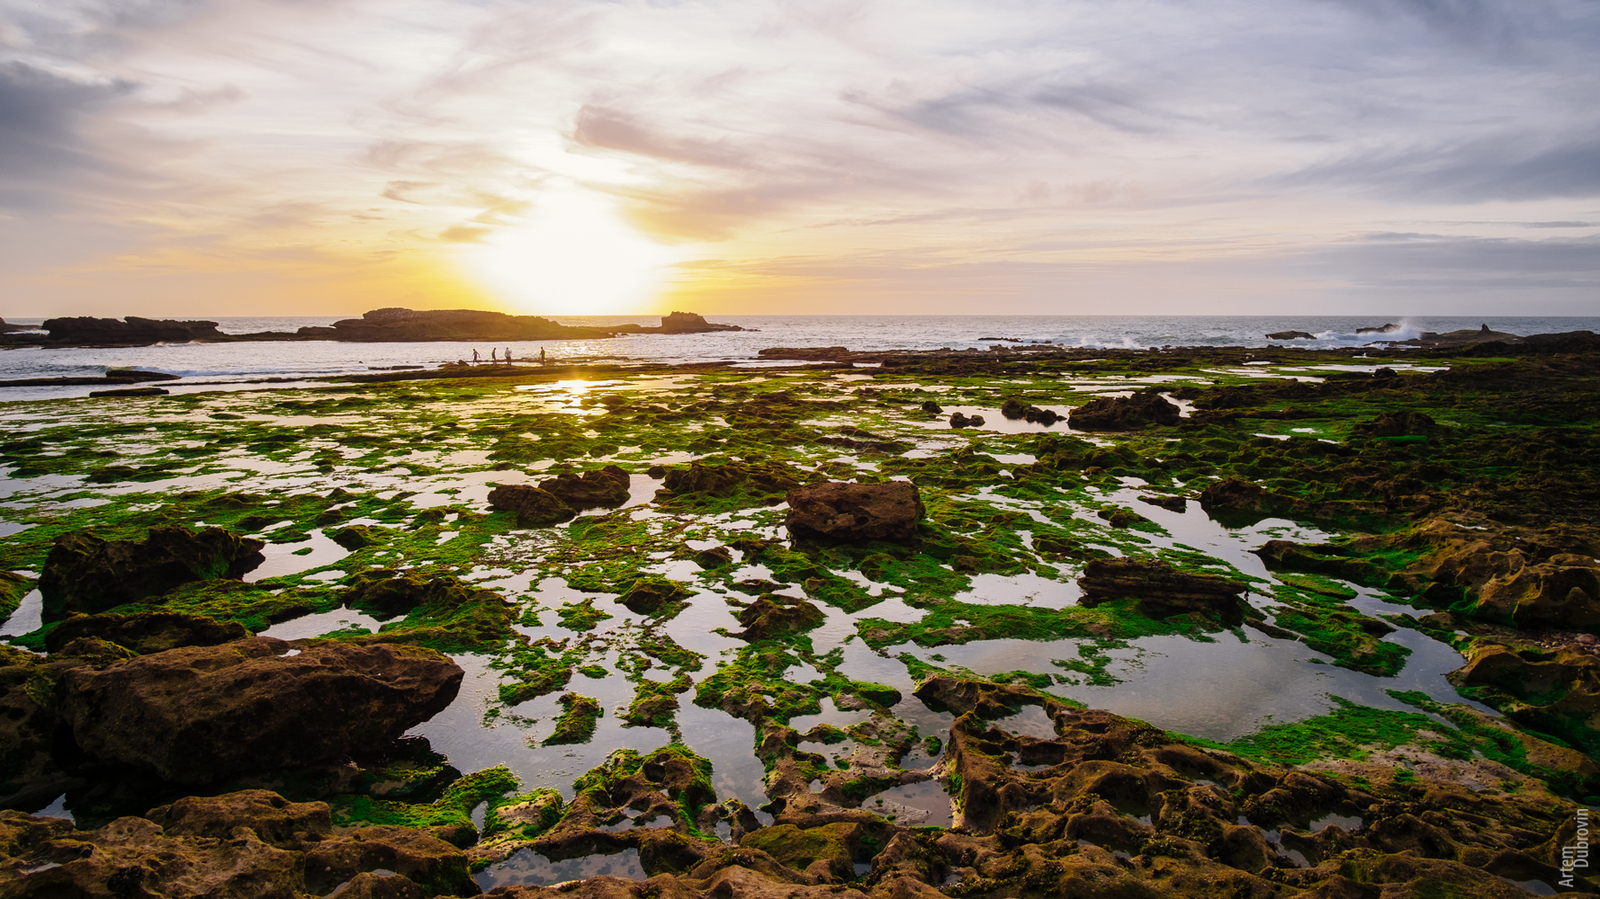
x=197 y=714
x=1160 y=589
x=146 y=632
x=535 y=508
x=602 y=488
x=1123 y=413
x=776 y=616
x=84 y=573
x=854 y=512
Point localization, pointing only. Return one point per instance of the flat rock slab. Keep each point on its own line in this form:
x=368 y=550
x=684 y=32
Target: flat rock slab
x=855 y=512
x=197 y=714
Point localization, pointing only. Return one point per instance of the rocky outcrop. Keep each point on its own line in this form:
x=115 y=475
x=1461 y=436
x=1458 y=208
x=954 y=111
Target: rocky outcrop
x=702 y=483
x=132 y=331
x=776 y=615
x=145 y=632
x=197 y=714
x=603 y=488
x=534 y=507
x=247 y=844
x=84 y=573
x=959 y=420
x=655 y=596
x=400 y=325
x=1123 y=413
x=1291 y=335
x=1016 y=409
x=1161 y=590
x=855 y=512
x=1397 y=424
x=1551 y=692
x=679 y=323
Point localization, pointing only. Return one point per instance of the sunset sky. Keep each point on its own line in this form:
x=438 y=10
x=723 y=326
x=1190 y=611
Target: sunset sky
x=325 y=157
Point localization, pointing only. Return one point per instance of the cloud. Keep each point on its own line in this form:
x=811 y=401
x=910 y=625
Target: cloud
x=44 y=146
x=1500 y=168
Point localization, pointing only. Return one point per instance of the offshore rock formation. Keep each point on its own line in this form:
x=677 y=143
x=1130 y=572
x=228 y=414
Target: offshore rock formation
x=679 y=323
x=397 y=325
x=132 y=331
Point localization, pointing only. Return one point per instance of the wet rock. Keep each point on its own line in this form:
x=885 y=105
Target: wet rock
x=1016 y=409
x=132 y=331
x=703 y=482
x=1554 y=692
x=196 y=714
x=355 y=537
x=130 y=392
x=714 y=557
x=778 y=616
x=855 y=512
x=1291 y=335
x=1161 y=590
x=603 y=488
x=1238 y=497
x=1170 y=503
x=932 y=408
x=145 y=632
x=31 y=772
x=958 y=420
x=1398 y=424
x=1116 y=413
x=84 y=573
x=535 y=508
x=655 y=596
x=274 y=819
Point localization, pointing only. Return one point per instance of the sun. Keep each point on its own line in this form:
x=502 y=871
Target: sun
x=574 y=255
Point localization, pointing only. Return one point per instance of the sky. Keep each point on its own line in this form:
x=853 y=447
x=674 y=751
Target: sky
x=204 y=158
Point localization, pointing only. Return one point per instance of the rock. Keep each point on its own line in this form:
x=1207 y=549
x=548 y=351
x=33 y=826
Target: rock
x=30 y=773
x=197 y=714
x=1389 y=328
x=701 y=482
x=1016 y=409
x=1118 y=413
x=778 y=616
x=655 y=596
x=275 y=820
x=714 y=557
x=932 y=408
x=535 y=508
x=130 y=391
x=958 y=420
x=1553 y=692
x=146 y=632
x=132 y=331
x=1291 y=335
x=443 y=612
x=396 y=324
x=855 y=512
x=1398 y=424
x=1238 y=497
x=354 y=537
x=679 y=323
x=84 y=573
x=1161 y=590
x=593 y=489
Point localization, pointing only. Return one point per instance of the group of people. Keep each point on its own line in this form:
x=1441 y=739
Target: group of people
x=476 y=359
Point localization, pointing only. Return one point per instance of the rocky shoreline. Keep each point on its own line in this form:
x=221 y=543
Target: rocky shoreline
x=389 y=325
x=802 y=559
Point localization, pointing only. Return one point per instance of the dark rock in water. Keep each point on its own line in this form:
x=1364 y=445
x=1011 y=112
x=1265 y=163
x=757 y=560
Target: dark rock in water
x=535 y=508
x=406 y=326
x=778 y=616
x=714 y=557
x=84 y=573
x=198 y=714
x=1240 y=497
x=1398 y=424
x=932 y=408
x=247 y=845
x=1170 y=503
x=354 y=537
x=1015 y=409
x=1389 y=328
x=130 y=391
x=132 y=331
x=679 y=323
x=1161 y=590
x=958 y=420
x=1291 y=335
x=655 y=596
x=146 y=632
x=449 y=614
x=593 y=489
x=855 y=512
x=1123 y=413
x=700 y=481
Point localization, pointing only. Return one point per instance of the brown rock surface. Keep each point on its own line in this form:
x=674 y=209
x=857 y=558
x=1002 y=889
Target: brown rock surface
x=603 y=488
x=197 y=714
x=1118 y=413
x=535 y=508
x=855 y=512
x=84 y=573
x=1160 y=589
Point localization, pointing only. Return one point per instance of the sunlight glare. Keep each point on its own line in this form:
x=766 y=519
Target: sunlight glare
x=573 y=255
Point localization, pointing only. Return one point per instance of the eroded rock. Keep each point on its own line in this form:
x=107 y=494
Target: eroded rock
x=84 y=573
x=603 y=488
x=1123 y=413
x=855 y=512
x=1161 y=590
x=534 y=507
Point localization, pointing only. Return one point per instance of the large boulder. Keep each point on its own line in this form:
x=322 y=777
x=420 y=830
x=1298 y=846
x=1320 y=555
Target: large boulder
x=1161 y=590
x=604 y=488
x=84 y=573
x=197 y=714
x=1123 y=413
x=852 y=512
x=146 y=632
x=775 y=615
x=535 y=508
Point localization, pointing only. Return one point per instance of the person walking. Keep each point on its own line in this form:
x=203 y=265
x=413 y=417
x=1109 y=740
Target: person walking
x=475 y=357
x=541 y=356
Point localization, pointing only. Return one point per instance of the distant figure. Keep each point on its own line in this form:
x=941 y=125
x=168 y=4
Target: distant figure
x=508 y=355
x=475 y=358
x=541 y=356
x=493 y=357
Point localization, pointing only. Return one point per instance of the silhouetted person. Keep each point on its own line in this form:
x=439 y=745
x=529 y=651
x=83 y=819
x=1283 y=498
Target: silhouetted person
x=542 y=360
x=475 y=357
x=494 y=355
x=508 y=355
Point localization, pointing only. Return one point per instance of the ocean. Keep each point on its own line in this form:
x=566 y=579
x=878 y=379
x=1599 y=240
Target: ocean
x=214 y=365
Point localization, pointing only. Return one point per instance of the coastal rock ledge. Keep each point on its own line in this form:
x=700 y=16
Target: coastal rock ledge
x=200 y=713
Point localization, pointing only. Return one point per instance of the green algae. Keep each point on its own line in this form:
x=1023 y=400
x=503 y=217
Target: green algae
x=581 y=615
x=450 y=814
x=577 y=722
